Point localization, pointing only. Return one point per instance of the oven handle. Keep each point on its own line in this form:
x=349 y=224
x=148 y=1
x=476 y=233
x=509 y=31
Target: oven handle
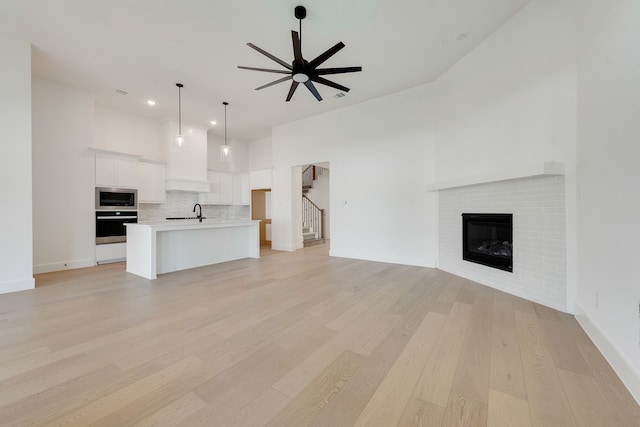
x=116 y=217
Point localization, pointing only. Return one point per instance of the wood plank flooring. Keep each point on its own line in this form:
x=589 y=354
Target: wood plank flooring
x=296 y=339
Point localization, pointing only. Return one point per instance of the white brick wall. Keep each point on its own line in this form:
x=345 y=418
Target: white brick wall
x=539 y=236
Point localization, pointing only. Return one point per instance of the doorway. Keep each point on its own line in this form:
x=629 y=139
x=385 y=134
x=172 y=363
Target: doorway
x=311 y=209
x=261 y=210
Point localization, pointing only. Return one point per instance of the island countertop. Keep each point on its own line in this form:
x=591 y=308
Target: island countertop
x=156 y=247
x=185 y=224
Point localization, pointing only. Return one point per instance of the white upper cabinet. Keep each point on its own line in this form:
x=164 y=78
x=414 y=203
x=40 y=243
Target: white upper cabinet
x=260 y=179
x=221 y=189
x=116 y=171
x=227 y=189
x=213 y=196
x=241 y=190
x=151 y=182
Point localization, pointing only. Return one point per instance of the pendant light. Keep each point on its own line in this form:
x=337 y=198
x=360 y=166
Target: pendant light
x=225 y=150
x=179 y=141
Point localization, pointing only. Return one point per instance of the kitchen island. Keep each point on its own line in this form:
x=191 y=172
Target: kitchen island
x=164 y=246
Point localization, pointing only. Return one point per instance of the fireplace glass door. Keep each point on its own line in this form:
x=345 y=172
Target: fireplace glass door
x=487 y=239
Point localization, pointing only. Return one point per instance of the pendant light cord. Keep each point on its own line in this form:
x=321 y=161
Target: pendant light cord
x=225 y=122
x=179 y=108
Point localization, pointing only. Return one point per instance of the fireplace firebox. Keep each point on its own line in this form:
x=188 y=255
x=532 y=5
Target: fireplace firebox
x=487 y=239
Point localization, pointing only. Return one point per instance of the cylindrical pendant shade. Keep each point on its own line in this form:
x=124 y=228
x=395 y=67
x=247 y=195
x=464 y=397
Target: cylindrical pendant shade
x=225 y=153
x=179 y=143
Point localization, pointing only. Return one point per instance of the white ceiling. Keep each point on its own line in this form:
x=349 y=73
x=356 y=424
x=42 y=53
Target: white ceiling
x=145 y=47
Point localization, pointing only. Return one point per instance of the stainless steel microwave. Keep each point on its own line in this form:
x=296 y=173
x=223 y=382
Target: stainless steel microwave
x=116 y=199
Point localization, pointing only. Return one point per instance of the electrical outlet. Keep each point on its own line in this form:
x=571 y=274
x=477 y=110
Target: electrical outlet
x=597 y=299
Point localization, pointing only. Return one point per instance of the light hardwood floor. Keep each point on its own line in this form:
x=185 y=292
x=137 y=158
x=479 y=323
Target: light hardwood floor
x=296 y=339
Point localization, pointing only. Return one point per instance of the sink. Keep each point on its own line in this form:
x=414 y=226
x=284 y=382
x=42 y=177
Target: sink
x=183 y=217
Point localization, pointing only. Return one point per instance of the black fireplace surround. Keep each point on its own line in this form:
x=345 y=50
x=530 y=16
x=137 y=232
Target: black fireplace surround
x=487 y=239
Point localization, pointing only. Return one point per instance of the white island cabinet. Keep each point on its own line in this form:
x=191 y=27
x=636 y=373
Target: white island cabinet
x=162 y=247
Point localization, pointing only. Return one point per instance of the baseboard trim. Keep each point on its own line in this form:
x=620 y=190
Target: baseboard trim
x=63 y=265
x=17 y=285
x=412 y=263
x=286 y=248
x=629 y=376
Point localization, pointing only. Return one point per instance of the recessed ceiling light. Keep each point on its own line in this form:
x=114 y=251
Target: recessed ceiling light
x=213 y=122
x=151 y=102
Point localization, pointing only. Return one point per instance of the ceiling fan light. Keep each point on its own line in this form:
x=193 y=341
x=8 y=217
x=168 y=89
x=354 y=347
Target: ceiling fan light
x=300 y=77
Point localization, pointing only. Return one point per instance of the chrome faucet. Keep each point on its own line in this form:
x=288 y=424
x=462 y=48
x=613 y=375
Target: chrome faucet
x=199 y=215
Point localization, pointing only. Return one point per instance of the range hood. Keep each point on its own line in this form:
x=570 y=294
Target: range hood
x=186 y=170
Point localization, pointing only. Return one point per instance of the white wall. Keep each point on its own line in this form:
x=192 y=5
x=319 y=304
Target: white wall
x=128 y=133
x=512 y=100
x=16 y=245
x=239 y=154
x=609 y=177
x=381 y=154
x=63 y=177
x=259 y=153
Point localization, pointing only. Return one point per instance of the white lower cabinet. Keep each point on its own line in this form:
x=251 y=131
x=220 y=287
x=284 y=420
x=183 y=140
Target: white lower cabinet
x=151 y=182
x=111 y=252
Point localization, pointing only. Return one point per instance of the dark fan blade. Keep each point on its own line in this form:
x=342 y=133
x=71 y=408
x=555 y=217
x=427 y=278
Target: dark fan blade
x=284 y=79
x=267 y=70
x=294 y=86
x=326 y=55
x=329 y=83
x=297 y=47
x=338 y=70
x=268 y=55
x=313 y=90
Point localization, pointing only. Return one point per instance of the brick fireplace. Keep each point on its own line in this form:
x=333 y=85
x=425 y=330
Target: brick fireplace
x=539 y=236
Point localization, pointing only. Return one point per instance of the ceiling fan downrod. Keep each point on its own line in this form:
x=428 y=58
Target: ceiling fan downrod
x=300 y=12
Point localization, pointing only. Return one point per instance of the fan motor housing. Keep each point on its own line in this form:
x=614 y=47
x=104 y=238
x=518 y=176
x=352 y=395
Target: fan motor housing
x=300 y=12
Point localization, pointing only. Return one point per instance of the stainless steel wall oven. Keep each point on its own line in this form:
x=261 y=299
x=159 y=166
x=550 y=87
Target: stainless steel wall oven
x=110 y=225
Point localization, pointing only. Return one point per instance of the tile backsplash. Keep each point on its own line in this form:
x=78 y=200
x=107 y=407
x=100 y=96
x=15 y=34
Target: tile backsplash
x=181 y=203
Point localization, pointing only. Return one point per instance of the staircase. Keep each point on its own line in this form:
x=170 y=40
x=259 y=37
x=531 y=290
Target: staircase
x=312 y=215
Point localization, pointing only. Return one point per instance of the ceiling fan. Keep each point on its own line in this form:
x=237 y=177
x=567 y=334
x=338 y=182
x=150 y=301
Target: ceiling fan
x=301 y=70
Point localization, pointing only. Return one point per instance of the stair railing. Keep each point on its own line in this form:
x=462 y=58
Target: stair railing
x=308 y=176
x=312 y=217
